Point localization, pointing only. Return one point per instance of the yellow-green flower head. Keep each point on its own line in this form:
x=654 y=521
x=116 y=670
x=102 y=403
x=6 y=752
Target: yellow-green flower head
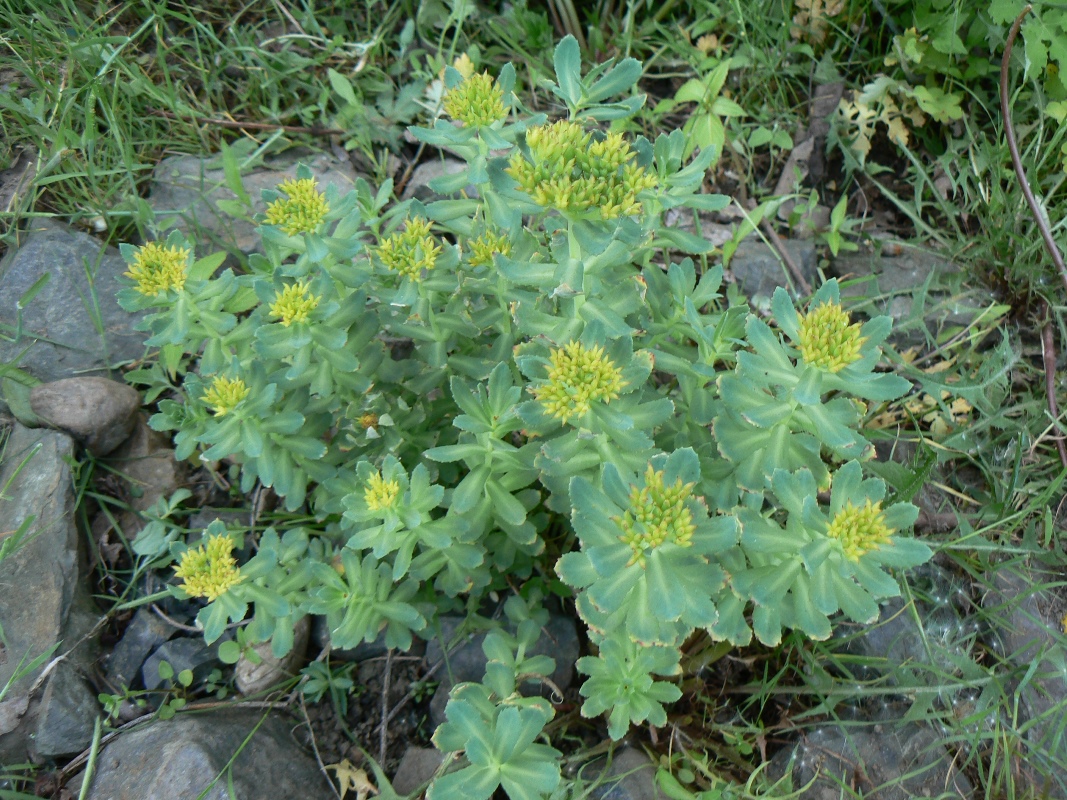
x=157 y=268
x=225 y=394
x=380 y=494
x=657 y=514
x=477 y=102
x=303 y=211
x=571 y=172
x=860 y=530
x=828 y=338
x=411 y=251
x=578 y=375
x=209 y=570
x=294 y=303
x=486 y=246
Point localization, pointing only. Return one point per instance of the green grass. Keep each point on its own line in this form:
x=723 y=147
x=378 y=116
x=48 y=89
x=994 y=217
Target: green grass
x=103 y=92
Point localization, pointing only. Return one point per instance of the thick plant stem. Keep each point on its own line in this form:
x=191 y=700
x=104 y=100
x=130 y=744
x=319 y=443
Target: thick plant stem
x=1048 y=347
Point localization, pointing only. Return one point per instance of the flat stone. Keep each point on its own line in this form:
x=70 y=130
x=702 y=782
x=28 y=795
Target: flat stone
x=147 y=461
x=68 y=711
x=270 y=671
x=416 y=767
x=181 y=654
x=186 y=190
x=74 y=325
x=145 y=632
x=880 y=763
x=183 y=759
x=630 y=776
x=45 y=602
x=98 y=412
x=758 y=268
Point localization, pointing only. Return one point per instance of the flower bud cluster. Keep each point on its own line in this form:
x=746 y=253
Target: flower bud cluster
x=486 y=246
x=158 y=268
x=210 y=569
x=578 y=375
x=411 y=252
x=477 y=102
x=657 y=514
x=860 y=530
x=303 y=211
x=225 y=394
x=294 y=303
x=380 y=494
x=570 y=171
x=828 y=338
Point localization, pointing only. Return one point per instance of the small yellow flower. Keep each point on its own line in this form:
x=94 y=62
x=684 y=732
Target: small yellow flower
x=486 y=246
x=302 y=212
x=368 y=420
x=860 y=530
x=578 y=376
x=209 y=570
x=477 y=102
x=828 y=338
x=225 y=394
x=411 y=252
x=380 y=494
x=157 y=268
x=294 y=303
x=657 y=514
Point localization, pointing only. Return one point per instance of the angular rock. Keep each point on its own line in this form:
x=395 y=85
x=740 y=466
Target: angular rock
x=68 y=710
x=559 y=639
x=147 y=460
x=98 y=412
x=45 y=601
x=418 y=185
x=73 y=324
x=630 y=776
x=145 y=632
x=181 y=654
x=252 y=678
x=759 y=270
x=186 y=191
x=179 y=759
x=881 y=763
x=416 y=767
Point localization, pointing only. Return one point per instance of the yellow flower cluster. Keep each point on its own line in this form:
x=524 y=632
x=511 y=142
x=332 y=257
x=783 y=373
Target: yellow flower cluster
x=657 y=514
x=571 y=172
x=860 y=530
x=294 y=303
x=302 y=212
x=410 y=252
x=577 y=376
x=157 y=268
x=380 y=494
x=477 y=102
x=828 y=338
x=488 y=245
x=209 y=570
x=225 y=394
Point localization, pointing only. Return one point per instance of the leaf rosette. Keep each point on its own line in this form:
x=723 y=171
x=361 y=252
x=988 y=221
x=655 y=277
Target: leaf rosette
x=648 y=547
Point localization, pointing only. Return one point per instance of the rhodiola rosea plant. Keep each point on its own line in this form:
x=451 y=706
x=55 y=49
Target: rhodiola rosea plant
x=535 y=383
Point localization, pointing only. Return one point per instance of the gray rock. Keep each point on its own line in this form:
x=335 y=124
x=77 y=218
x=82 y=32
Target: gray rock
x=147 y=460
x=74 y=324
x=186 y=191
x=253 y=678
x=180 y=759
x=1028 y=632
x=418 y=185
x=416 y=767
x=145 y=632
x=181 y=654
x=45 y=601
x=882 y=763
x=320 y=637
x=892 y=284
x=68 y=711
x=759 y=270
x=559 y=639
x=630 y=776
x=98 y=412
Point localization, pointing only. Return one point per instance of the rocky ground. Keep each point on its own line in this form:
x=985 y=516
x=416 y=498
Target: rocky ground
x=67 y=398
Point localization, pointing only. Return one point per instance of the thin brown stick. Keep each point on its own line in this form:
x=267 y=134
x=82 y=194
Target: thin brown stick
x=1048 y=345
x=249 y=126
x=383 y=728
